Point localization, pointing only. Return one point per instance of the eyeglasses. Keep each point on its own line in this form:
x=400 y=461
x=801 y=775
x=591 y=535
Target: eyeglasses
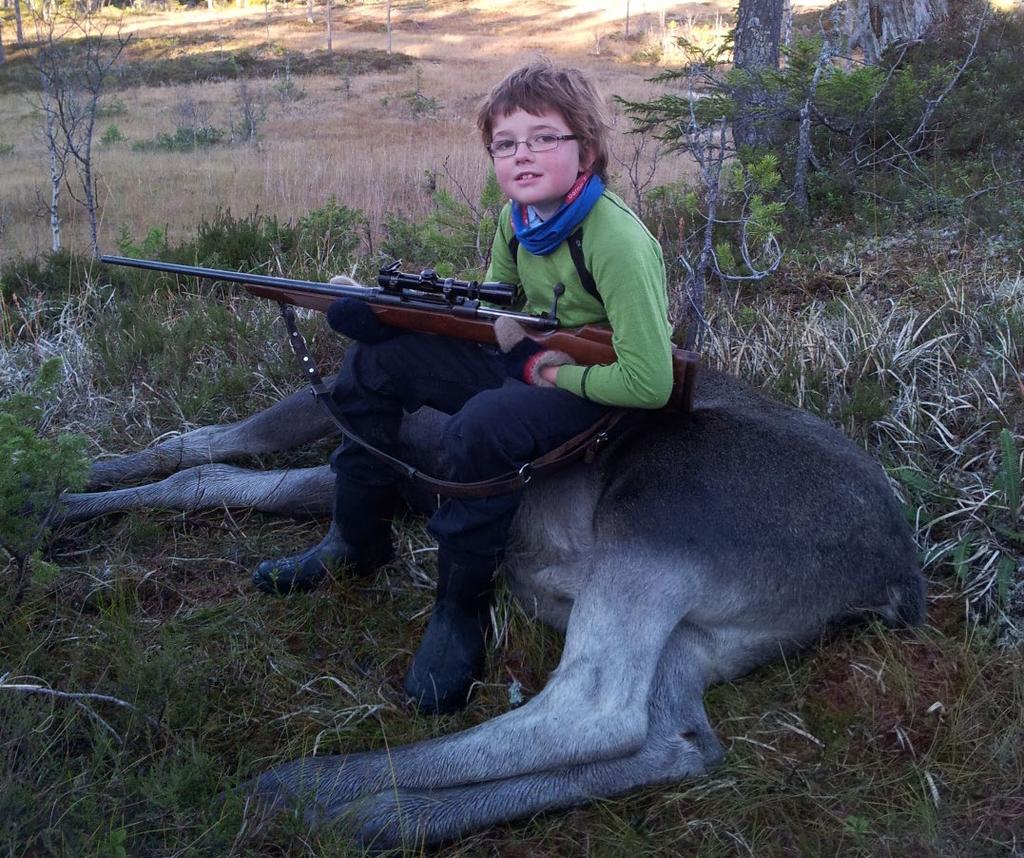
x=536 y=143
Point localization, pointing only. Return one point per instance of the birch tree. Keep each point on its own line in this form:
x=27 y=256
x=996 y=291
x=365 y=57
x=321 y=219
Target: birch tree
x=72 y=81
x=57 y=161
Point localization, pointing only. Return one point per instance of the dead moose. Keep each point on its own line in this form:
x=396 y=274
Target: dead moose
x=702 y=546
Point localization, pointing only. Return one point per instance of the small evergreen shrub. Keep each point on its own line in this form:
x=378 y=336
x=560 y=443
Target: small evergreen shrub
x=455 y=239
x=182 y=140
x=114 y=107
x=250 y=111
x=284 y=85
x=328 y=239
x=247 y=243
x=151 y=247
x=418 y=105
x=34 y=471
x=112 y=135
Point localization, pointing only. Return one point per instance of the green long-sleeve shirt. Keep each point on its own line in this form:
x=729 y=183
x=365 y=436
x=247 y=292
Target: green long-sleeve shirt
x=626 y=263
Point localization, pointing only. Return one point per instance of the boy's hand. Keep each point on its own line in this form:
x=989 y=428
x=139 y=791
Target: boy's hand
x=357 y=321
x=524 y=359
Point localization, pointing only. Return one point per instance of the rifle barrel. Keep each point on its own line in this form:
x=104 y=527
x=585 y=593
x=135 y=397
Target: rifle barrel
x=311 y=286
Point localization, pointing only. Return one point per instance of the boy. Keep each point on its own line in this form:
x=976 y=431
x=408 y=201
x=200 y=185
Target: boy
x=544 y=130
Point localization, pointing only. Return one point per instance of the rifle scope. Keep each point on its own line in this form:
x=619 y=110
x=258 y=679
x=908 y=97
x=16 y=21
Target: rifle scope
x=502 y=294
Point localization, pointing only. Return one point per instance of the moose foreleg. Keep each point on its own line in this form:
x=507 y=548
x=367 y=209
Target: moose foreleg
x=296 y=491
x=293 y=421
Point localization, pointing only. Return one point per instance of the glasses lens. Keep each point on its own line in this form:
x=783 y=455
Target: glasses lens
x=542 y=142
x=503 y=148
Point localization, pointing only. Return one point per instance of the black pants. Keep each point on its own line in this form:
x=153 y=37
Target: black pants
x=497 y=425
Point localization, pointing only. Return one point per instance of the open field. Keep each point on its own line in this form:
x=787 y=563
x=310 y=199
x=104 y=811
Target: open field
x=908 y=332
x=371 y=139
x=356 y=139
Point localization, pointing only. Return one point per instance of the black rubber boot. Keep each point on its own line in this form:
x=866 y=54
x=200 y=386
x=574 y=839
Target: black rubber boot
x=359 y=537
x=450 y=657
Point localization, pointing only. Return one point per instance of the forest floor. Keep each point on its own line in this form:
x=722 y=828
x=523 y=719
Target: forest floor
x=905 y=330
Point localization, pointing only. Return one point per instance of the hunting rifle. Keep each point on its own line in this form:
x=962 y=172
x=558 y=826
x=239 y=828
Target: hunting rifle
x=432 y=304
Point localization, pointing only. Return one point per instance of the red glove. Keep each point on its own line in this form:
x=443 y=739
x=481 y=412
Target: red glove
x=524 y=359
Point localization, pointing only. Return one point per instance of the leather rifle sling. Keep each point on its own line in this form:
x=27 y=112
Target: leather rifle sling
x=584 y=446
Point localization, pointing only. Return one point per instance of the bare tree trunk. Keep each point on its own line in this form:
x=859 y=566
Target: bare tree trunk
x=803 y=150
x=58 y=166
x=309 y=11
x=758 y=31
x=3 y=56
x=787 y=23
x=874 y=25
x=89 y=187
x=55 y=182
x=627 y=19
x=71 y=89
x=18 y=30
x=389 y=25
x=330 y=30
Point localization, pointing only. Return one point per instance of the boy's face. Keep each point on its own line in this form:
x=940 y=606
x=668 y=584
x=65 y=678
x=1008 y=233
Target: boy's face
x=538 y=179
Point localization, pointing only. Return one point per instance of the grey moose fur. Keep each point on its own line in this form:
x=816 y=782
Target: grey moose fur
x=699 y=549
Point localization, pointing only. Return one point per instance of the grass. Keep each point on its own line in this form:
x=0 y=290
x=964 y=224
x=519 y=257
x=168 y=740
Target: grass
x=875 y=743
x=354 y=134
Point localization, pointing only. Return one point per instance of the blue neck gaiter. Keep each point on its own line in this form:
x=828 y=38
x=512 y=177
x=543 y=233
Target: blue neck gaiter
x=545 y=237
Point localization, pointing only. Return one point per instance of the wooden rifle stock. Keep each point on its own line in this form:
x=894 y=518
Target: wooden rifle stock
x=416 y=311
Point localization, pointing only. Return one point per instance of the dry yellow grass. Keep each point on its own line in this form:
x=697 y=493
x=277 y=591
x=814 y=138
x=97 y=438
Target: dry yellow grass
x=366 y=149
x=361 y=146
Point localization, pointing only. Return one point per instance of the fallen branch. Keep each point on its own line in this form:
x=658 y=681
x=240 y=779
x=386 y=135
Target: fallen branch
x=76 y=697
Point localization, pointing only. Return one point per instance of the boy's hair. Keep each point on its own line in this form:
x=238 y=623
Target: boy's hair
x=540 y=86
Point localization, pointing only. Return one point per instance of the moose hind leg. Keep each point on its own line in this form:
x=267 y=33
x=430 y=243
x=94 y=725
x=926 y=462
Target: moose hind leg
x=594 y=707
x=679 y=744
